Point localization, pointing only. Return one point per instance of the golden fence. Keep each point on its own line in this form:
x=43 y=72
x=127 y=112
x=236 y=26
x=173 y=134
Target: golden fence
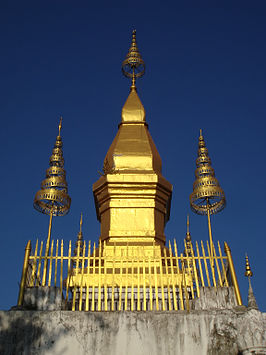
x=90 y=280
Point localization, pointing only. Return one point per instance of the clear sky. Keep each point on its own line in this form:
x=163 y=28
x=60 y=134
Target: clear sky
x=205 y=68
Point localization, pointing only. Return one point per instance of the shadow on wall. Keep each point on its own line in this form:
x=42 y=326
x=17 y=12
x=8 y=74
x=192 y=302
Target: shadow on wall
x=22 y=334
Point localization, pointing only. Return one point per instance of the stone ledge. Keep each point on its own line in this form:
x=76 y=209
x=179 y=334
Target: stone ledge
x=132 y=333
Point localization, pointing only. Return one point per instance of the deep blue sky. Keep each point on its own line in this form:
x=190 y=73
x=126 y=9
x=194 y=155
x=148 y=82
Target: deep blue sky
x=205 y=65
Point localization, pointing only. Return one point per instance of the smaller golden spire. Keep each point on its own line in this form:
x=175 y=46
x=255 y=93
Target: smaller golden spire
x=80 y=241
x=252 y=303
x=133 y=66
x=80 y=224
x=248 y=272
x=188 y=246
x=188 y=236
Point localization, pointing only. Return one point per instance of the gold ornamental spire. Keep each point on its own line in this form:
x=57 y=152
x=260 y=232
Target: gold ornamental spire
x=207 y=194
x=188 y=236
x=252 y=303
x=248 y=272
x=188 y=243
x=133 y=66
x=80 y=241
x=53 y=198
x=207 y=197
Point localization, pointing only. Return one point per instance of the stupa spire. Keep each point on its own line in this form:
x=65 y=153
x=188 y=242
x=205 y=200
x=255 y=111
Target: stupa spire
x=188 y=244
x=60 y=126
x=133 y=66
x=80 y=241
x=252 y=303
x=188 y=236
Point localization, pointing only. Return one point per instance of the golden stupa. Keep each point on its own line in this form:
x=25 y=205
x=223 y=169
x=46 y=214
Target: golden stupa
x=132 y=268
x=132 y=198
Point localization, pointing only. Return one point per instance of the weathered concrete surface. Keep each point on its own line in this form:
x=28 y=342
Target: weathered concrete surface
x=215 y=298
x=45 y=298
x=236 y=331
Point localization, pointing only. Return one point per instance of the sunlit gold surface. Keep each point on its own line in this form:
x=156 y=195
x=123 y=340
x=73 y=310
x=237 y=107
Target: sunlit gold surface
x=24 y=273
x=233 y=273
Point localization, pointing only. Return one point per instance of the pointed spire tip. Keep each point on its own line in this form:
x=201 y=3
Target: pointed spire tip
x=60 y=126
x=80 y=223
x=248 y=272
x=187 y=223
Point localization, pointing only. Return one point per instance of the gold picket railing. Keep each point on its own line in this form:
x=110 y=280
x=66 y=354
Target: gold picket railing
x=89 y=279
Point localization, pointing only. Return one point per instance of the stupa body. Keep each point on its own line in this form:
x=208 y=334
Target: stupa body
x=132 y=198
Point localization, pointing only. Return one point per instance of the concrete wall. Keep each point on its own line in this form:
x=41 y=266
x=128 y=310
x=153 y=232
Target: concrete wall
x=235 y=331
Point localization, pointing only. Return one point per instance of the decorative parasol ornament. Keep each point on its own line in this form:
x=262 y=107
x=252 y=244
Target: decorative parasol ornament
x=133 y=66
x=53 y=196
x=207 y=196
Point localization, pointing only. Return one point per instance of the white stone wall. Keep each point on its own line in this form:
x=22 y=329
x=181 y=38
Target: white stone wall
x=236 y=331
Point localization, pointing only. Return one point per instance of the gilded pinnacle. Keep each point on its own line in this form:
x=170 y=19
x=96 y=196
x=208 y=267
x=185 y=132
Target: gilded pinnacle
x=60 y=126
x=188 y=236
x=207 y=193
x=133 y=66
x=53 y=196
x=248 y=272
x=80 y=224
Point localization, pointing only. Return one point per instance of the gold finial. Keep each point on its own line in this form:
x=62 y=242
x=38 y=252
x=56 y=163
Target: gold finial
x=188 y=236
x=60 y=126
x=252 y=303
x=133 y=66
x=53 y=196
x=207 y=193
x=80 y=223
x=248 y=272
x=78 y=251
x=200 y=132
